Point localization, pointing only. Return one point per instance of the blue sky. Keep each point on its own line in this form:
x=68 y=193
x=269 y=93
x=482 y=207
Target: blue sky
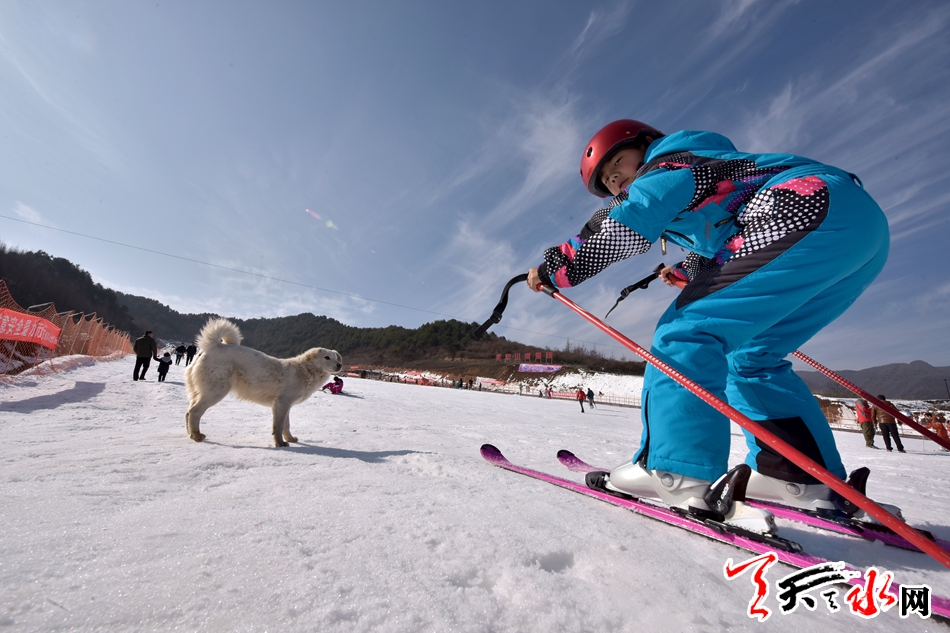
x=411 y=157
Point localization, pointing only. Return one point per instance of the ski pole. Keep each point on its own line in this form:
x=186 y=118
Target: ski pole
x=792 y=454
x=886 y=406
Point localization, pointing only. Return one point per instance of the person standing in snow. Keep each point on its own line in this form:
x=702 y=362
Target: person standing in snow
x=938 y=425
x=779 y=246
x=145 y=350
x=581 y=396
x=590 y=397
x=190 y=352
x=888 y=425
x=179 y=352
x=862 y=411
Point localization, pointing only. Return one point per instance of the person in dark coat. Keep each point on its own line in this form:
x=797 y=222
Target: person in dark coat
x=163 y=364
x=888 y=425
x=190 y=352
x=590 y=397
x=179 y=352
x=145 y=350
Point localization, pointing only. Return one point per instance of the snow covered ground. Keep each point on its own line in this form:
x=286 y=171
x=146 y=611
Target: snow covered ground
x=383 y=518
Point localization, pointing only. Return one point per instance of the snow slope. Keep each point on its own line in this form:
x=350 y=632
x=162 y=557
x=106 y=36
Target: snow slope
x=383 y=518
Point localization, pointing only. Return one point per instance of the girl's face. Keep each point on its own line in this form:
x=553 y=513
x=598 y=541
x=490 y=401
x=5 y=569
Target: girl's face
x=622 y=168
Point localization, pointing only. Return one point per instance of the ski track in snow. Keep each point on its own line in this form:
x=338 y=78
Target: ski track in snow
x=383 y=518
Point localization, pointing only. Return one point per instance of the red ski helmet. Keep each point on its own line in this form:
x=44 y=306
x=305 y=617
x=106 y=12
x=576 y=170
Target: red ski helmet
x=611 y=138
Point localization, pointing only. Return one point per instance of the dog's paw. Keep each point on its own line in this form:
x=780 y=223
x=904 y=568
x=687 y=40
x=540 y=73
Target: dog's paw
x=198 y=437
x=290 y=438
x=280 y=443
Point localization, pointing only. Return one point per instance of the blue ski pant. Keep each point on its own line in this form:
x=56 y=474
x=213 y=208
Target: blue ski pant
x=731 y=330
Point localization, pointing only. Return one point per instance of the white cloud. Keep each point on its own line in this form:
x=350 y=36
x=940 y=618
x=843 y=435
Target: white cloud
x=734 y=14
x=601 y=25
x=533 y=152
x=61 y=103
x=28 y=213
x=780 y=125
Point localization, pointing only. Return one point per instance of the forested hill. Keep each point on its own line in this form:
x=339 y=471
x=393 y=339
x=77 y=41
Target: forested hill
x=36 y=277
x=167 y=324
x=288 y=336
x=392 y=346
x=291 y=335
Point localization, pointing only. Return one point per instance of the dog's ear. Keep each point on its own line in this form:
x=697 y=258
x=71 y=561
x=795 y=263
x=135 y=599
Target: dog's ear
x=318 y=354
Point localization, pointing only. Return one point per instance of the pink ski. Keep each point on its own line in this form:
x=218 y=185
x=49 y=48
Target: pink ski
x=860 y=529
x=787 y=552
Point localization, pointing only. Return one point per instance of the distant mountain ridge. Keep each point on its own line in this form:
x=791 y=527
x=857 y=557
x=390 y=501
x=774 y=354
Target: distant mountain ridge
x=37 y=277
x=909 y=381
x=427 y=346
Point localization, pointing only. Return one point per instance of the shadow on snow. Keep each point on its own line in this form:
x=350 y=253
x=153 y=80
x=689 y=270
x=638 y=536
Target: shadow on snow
x=370 y=457
x=80 y=392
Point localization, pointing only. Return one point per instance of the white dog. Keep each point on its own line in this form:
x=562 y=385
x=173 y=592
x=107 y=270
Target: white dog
x=224 y=366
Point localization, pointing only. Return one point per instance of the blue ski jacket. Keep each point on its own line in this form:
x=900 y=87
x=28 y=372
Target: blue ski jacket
x=692 y=191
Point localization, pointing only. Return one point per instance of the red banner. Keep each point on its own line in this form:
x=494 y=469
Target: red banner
x=17 y=326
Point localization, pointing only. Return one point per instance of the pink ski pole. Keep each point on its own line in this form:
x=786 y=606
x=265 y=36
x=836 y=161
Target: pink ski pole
x=769 y=438
x=887 y=406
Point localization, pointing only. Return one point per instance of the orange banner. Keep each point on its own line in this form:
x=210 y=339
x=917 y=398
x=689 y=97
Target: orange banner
x=17 y=326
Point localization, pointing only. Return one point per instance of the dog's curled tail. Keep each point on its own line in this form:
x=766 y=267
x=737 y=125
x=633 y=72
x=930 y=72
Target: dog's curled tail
x=218 y=332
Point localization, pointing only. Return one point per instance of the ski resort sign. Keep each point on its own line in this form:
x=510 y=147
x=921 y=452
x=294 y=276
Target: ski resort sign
x=538 y=369
x=17 y=326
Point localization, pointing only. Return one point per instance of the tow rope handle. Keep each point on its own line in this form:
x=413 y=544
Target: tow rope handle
x=500 y=308
x=643 y=283
x=551 y=290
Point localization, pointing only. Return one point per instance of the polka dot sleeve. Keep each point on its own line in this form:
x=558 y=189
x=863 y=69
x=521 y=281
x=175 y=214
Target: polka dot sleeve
x=582 y=257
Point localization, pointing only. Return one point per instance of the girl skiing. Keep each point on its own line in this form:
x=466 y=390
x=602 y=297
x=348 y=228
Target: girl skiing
x=779 y=246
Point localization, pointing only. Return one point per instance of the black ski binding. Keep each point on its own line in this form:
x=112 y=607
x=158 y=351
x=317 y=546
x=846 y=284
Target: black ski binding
x=728 y=489
x=597 y=480
x=858 y=479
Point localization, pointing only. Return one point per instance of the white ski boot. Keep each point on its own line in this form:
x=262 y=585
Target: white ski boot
x=817 y=498
x=724 y=498
x=814 y=497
